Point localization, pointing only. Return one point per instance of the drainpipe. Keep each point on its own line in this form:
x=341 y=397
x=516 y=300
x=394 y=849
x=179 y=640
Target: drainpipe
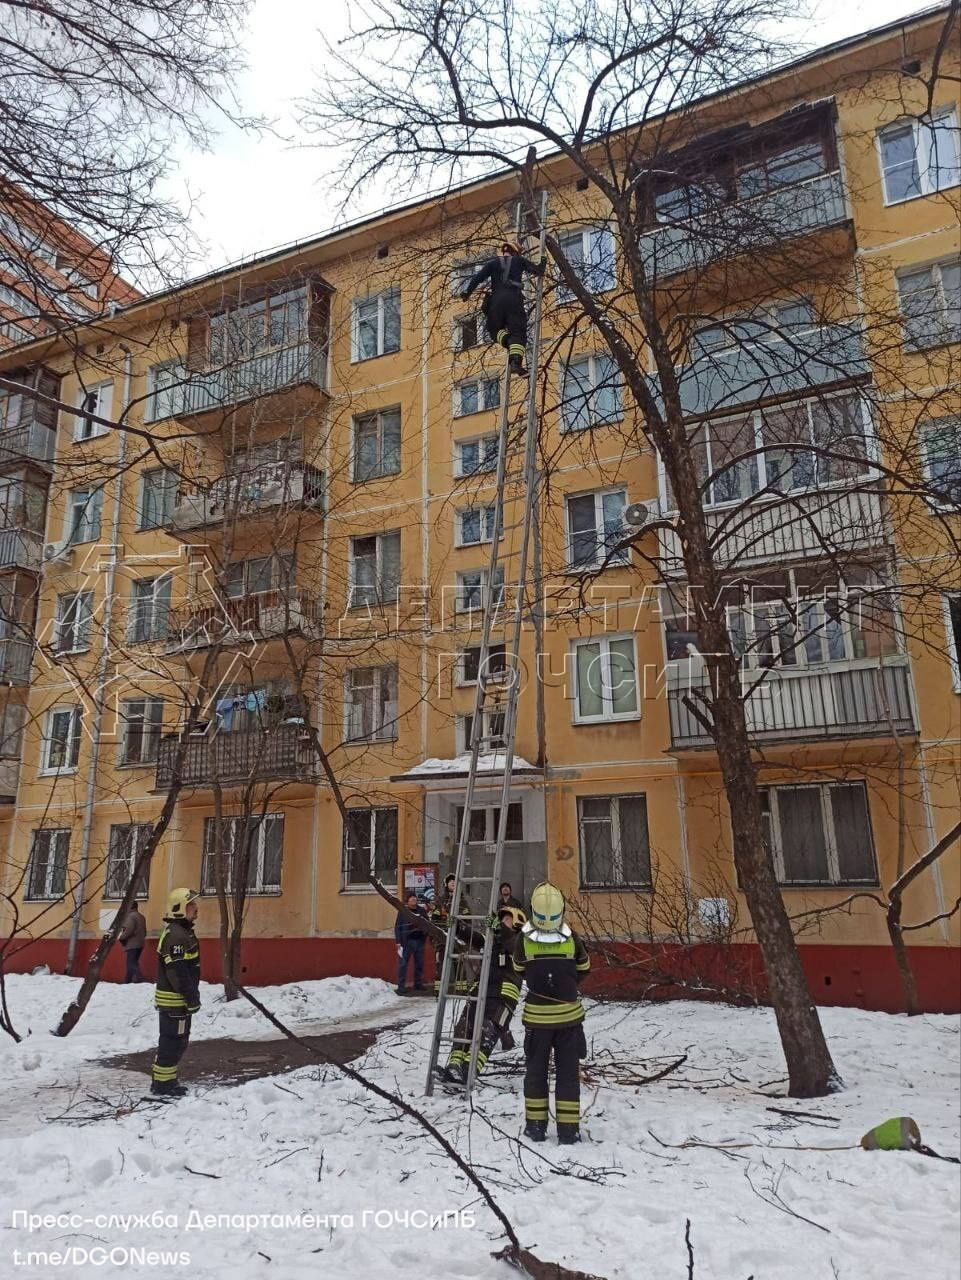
x=101 y=684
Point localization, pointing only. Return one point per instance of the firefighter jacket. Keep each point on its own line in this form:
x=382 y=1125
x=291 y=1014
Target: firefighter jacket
x=502 y=981
x=178 y=969
x=503 y=272
x=552 y=971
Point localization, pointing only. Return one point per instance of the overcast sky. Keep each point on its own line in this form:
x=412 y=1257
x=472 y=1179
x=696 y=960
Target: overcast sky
x=253 y=194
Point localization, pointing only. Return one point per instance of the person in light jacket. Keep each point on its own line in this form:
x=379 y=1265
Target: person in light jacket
x=132 y=937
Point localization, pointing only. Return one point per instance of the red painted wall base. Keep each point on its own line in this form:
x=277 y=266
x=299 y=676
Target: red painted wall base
x=860 y=976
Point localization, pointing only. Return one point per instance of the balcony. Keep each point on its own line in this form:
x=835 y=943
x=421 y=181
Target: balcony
x=214 y=620
x=9 y=777
x=247 y=495
x=304 y=364
x=30 y=442
x=282 y=753
x=854 y=701
x=16 y=657
x=747 y=226
x=20 y=549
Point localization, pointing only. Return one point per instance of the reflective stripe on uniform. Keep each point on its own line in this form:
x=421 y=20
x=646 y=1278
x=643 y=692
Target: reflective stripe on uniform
x=552 y=1015
x=535 y=1108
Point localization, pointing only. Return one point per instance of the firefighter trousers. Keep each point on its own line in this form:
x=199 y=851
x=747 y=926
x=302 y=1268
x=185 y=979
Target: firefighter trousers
x=497 y=1016
x=171 y=1046
x=568 y=1045
x=506 y=318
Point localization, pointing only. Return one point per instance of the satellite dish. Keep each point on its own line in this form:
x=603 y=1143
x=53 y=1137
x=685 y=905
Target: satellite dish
x=637 y=515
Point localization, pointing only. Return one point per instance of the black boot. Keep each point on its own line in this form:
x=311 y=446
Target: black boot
x=536 y=1130
x=167 y=1089
x=516 y=366
x=568 y=1134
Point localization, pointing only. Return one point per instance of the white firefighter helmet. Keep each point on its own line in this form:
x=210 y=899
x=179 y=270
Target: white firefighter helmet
x=177 y=903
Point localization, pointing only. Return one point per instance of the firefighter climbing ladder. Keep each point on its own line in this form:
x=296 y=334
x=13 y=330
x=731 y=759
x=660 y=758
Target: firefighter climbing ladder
x=492 y=698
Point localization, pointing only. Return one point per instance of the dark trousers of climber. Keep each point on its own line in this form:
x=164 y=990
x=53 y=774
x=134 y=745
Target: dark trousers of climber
x=496 y=1016
x=506 y=318
x=171 y=1046
x=566 y=1042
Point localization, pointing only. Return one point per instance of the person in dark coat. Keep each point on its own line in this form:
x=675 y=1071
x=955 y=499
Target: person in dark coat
x=410 y=938
x=504 y=311
x=507 y=898
x=132 y=938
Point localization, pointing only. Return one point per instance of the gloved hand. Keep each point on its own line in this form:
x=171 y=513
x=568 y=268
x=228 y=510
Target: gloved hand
x=491 y=922
x=193 y=1008
x=507 y=1040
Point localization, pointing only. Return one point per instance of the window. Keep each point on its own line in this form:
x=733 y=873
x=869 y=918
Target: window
x=49 y=850
x=495 y=667
x=257 y=840
x=377 y=445
x=371 y=704
x=590 y=393
x=941 y=451
x=370 y=847
x=491 y=732
x=93 y=400
x=279 y=320
x=12 y=720
x=930 y=301
x=772 y=322
x=127 y=841
x=952 y=627
x=165 y=386
x=919 y=156
x=615 y=849
x=16 y=301
x=605 y=680
x=688 y=201
x=468 y=332
x=259 y=574
x=61 y=739
x=590 y=251
x=476 y=395
x=374 y=569
x=484 y=823
x=158 y=494
x=595 y=525
x=776 y=165
x=475 y=525
x=376 y=327
x=71 y=632
x=84 y=508
x=149 y=610
x=472 y=589
x=820 y=833
x=474 y=456
x=462 y=274
x=141 y=725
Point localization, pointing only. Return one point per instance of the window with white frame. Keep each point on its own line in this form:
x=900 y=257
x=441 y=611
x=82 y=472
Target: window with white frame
x=590 y=393
x=771 y=322
x=484 y=823
x=149 y=610
x=370 y=847
x=614 y=844
x=475 y=525
x=72 y=626
x=590 y=251
x=127 y=842
x=61 y=739
x=374 y=569
x=462 y=274
x=376 y=445
x=495 y=668
x=952 y=627
x=165 y=388
x=595 y=526
x=469 y=331
x=96 y=400
x=158 y=495
x=260 y=574
x=472 y=457
x=820 y=833
x=49 y=851
x=605 y=680
x=492 y=728
x=472 y=589
x=476 y=395
x=141 y=727
x=919 y=156
x=370 y=704
x=941 y=453
x=254 y=844
x=11 y=298
x=84 y=510
x=376 y=325
x=930 y=301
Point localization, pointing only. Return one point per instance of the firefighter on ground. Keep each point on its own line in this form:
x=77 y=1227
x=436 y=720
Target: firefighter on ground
x=503 y=993
x=552 y=960
x=504 y=311
x=178 y=990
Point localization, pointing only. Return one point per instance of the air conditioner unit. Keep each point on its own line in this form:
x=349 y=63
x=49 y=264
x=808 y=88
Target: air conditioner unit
x=61 y=550
x=638 y=514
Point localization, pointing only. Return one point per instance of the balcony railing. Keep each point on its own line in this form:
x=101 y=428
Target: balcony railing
x=20 y=549
x=246 y=493
x=846 y=702
x=31 y=441
x=747 y=226
x=255 y=376
x=788 y=528
x=215 y=620
x=280 y=753
x=15 y=659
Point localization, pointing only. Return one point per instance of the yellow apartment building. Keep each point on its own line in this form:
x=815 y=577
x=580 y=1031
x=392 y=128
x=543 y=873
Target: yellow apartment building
x=282 y=543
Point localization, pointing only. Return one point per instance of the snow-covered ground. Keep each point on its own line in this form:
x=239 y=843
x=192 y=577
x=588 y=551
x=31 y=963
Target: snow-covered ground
x=313 y=1142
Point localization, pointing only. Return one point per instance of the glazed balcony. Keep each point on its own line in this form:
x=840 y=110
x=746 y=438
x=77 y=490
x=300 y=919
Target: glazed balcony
x=20 y=549
x=212 y=619
x=28 y=426
x=29 y=442
x=279 y=753
x=9 y=778
x=249 y=494
x=16 y=657
x=263 y=374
